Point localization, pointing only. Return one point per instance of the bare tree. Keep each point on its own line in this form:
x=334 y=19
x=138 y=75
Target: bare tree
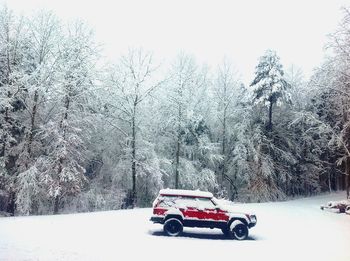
x=226 y=92
x=186 y=86
x=44 y=32
x=133 y=80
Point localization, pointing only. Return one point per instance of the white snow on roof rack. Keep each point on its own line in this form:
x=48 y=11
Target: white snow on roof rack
x=183 y=192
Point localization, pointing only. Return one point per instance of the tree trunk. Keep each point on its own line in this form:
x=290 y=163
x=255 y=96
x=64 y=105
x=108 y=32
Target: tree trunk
x=337 y=182
x=133 y=157
x=6 y=128
x=223 y=170
x=32 y=127
x=65 y=115
x=61 y=158
x=329 y=182
x=11 y=205
x=347 y=177
x=178 y=146
x=269 y=127
x=177 y=159
x=56 y=205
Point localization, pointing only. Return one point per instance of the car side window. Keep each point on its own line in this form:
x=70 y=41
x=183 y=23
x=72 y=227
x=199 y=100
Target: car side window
x=205 y=203
x=186 y=202
x=166 y=201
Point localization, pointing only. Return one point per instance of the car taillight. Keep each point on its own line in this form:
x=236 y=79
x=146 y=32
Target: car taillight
x=155 y=207
x=248 y=216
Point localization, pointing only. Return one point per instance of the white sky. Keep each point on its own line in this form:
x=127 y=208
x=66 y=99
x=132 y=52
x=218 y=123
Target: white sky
x=239 y=29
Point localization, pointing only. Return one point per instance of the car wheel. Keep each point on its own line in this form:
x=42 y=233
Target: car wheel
x=173 y=227
x=240 y=231
x=226 y=231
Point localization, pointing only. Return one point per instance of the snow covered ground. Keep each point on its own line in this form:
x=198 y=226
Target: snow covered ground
x=293 y=230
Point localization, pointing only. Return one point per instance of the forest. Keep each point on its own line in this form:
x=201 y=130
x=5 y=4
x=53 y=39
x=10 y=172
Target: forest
x=78 y=133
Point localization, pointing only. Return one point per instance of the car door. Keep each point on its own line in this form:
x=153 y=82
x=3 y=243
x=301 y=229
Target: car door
x=210 y=211
x=188 y=207
x=206 y=209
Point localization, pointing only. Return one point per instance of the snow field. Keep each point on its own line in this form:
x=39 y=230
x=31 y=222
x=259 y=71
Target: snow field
x=292 y=230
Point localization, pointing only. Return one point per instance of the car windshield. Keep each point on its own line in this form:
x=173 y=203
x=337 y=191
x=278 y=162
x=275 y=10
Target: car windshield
x=215 y=201
x=205 y=203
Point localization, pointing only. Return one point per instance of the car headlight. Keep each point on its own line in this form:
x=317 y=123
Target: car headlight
x=253 y=218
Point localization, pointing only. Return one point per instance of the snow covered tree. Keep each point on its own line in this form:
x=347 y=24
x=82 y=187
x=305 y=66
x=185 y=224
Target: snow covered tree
x=270 y=86
x=184 y=70
x=271 y=148
x=45 y=30
x=330 y=104
x=29 y=191
x=37 y=77
x=331 y=98
x=76 y=138
x=13 y=56
x=228 y=94
x=299 y=93
x=63 y=164
x=186 y=105
x=340 y=43
x=132 y=81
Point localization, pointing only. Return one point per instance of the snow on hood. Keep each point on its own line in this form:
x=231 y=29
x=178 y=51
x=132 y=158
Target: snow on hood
x=232 y=207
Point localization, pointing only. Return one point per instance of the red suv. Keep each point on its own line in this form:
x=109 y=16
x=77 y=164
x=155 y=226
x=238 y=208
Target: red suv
x=176 y=209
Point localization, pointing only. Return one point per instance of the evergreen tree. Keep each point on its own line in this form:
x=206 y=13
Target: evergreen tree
x=270 y=86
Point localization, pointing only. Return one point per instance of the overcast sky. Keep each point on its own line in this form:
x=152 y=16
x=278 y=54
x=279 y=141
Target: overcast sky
x=210 y=30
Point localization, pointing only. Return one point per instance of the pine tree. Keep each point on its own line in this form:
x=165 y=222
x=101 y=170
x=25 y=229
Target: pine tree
x=269 y=83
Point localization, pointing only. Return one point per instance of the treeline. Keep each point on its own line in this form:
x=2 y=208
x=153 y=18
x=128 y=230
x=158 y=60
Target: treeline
x=76 y=135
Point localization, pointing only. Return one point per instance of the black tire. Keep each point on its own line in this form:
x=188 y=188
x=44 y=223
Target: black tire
x=226 y=231
x=173 y=227
x=240 y=232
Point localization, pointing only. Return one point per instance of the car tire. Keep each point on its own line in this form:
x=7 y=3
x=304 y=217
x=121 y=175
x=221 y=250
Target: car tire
x=226 y=231
x=240 y=232
x=173 y=227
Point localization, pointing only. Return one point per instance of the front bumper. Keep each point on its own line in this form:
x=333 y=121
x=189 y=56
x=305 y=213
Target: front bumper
x=251 y=225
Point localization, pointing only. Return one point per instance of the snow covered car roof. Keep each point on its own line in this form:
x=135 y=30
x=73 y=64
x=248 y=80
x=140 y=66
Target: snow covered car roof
x=183 y=192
